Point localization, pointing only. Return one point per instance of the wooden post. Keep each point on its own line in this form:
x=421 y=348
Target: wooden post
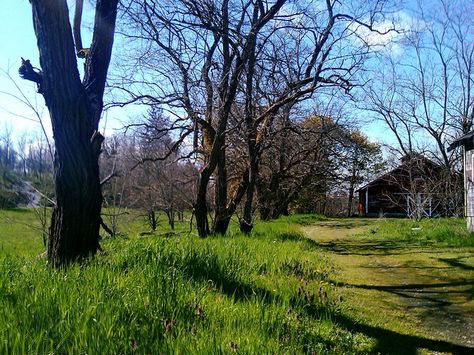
x=367 y=201
x=469 y=189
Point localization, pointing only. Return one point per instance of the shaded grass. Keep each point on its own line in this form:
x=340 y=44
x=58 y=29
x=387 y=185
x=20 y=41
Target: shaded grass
x=270 y=292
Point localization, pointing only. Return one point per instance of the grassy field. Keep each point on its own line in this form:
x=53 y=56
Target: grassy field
x=272 y=292
x=408 y=284
x=20 y=233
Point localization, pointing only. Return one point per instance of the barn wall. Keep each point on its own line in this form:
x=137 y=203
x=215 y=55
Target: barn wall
x=388 y=194
x=384 y=199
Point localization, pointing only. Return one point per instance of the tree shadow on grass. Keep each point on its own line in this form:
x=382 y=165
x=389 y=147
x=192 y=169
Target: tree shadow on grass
x=439 y=306
x=372 y=247
x=428 y=292
x=391 y=342
x=344 y=224
x=210 y=270
x=456 y=262
x=388 y=342
x=296 y=237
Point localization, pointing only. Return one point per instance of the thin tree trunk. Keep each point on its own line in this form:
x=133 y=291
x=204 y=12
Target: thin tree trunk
x=246 y=224
x=221 y=218
x=350 y=199
x=170 y=215
x=263 y=200
x=232 y=205
x=200 y=207
x=351 y=187
x=233 y=65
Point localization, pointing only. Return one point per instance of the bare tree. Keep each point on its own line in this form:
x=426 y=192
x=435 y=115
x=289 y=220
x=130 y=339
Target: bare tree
x=424 y=95
x=231 y=66
x=207 y=46
x=312 y=50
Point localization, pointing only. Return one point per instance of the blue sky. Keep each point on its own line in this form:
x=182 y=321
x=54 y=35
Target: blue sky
x=17 y=39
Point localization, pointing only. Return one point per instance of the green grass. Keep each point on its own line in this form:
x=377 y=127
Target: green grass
x=267 y=293
x=436 y=232
x=20 y=233
x=270 y=292
x=411 y=290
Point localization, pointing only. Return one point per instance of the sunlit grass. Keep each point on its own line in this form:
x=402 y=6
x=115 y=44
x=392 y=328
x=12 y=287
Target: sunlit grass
x=267 y=293
x=437 y=232
x=407 y=284
x=20 y=233
x=270 y=292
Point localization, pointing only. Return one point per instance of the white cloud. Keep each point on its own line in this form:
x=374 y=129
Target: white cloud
x=388 y=34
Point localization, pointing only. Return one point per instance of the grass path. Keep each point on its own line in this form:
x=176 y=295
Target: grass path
x=410 y=298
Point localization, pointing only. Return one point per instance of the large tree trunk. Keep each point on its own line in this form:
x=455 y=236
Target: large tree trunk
x=74 y=230
x=75 y=109
x=232 y=67
x=223 y=224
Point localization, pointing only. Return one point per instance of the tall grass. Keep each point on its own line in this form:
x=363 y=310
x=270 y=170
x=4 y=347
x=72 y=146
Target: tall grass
x=263 y=293
x=266 y=293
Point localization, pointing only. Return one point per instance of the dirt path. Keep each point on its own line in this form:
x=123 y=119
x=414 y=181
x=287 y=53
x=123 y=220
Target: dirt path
x=411 y=299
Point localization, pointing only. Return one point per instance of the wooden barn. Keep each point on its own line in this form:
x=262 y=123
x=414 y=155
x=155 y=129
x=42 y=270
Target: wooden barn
x=417 y=188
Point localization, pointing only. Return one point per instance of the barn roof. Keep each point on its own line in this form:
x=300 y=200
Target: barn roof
x=465 y=140
x=406 y=160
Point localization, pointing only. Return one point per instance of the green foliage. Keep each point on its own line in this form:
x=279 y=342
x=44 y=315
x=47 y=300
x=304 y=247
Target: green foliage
x=10 y=198
x=12 y=189
x=43 y=182
x=10 y=194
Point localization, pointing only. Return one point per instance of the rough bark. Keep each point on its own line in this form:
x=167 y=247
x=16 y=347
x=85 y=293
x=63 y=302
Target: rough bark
x=220 y=222
x=223 y=224
x=75 y=110
x=233 y=66
x=200 y=206
x=245 y=223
